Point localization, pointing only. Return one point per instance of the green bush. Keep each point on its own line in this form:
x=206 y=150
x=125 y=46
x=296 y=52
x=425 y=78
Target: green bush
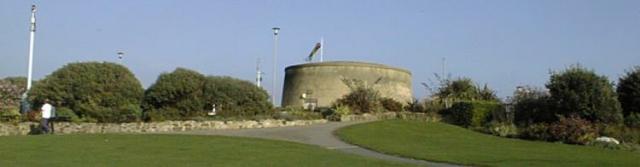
x=573 y=130
x=474 y=114
x=361 y=100
x=9 y=114
x=92 y=90
x=235 y=97
x=180 y=90
x=578 y=91
x=64 y=112
x=501 y=129
x=537 y=131
x=391 y=105
x=463 y=89
x=532 y=106
x=632 y=120
x=622 y=133
x=414 y=106
x=186 y=94
x=629 y=91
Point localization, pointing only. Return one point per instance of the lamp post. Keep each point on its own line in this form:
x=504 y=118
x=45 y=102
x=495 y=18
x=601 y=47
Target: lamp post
x=276 y=30
x=120 y=56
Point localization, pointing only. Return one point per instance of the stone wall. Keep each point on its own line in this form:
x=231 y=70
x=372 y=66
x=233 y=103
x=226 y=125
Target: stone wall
x=25 y=128
x=391 y=115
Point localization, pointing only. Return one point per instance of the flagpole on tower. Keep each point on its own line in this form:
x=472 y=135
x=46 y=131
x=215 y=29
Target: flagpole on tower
x=321 y=49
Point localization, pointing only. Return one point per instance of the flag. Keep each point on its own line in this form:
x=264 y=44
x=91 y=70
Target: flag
x=314 y=51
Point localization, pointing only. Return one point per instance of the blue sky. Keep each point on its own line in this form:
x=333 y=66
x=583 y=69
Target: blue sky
x=501 y=43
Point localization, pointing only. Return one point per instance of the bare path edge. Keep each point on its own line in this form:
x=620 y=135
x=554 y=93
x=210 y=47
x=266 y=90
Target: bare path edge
x=317 y=134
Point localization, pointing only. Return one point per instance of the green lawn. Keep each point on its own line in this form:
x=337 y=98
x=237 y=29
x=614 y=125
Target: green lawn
x=168 y=150
x=448 y=143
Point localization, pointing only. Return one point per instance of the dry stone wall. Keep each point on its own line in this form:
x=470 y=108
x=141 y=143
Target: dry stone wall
x=25 y=128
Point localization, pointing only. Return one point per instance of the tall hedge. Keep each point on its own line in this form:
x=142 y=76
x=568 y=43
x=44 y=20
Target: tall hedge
x=579 y=91
x=629 y=91
x=106 y=92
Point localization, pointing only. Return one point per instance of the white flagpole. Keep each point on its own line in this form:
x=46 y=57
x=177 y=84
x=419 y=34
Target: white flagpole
x=321 y=49
x=32 y=31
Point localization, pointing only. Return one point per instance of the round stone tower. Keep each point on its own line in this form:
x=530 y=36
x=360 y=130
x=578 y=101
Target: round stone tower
x=320 y=84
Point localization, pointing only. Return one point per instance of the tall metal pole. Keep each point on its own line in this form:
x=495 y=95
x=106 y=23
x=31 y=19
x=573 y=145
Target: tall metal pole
x=32 y=30
x=276 y=30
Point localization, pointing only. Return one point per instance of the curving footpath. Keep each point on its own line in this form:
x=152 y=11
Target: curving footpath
x=318 y=134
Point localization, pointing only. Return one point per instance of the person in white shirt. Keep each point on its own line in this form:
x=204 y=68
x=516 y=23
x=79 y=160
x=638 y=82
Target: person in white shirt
x=46 y=115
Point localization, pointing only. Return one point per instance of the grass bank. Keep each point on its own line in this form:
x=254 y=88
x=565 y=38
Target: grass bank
x=168 y=150
x=448 y=143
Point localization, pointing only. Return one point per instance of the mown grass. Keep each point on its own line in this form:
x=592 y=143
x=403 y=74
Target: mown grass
x=448 y=143
x=168 y=150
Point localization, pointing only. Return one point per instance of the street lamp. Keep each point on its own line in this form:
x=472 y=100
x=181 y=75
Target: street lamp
x=120 y=55
x=276 y=30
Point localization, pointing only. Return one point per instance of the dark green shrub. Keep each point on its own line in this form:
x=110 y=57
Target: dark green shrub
x=162 y=114
x=532 y=106
x=390 y=104
x=92 y=90
x=181 y=90
x=459 y=114
x=573 y=130
x=578 y=91
x=235 y=97
x=414 y=106
x=538 y=131
x=629 y=91
x=9 y=114
x=501 y=129
x=66 y=114
x=475 y=114
x=632 y=120
x=621 y=133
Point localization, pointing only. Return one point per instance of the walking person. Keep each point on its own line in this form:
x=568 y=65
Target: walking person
x=46 y=115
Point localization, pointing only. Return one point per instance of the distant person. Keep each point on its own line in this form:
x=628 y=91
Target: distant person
x=46 y=115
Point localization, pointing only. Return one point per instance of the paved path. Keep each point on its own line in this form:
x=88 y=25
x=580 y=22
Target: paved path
x=319 y=134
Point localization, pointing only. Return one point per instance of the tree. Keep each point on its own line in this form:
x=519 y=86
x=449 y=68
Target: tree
x=180 y=90
x=629 y=92
x=579 y=91
x=106 y=92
